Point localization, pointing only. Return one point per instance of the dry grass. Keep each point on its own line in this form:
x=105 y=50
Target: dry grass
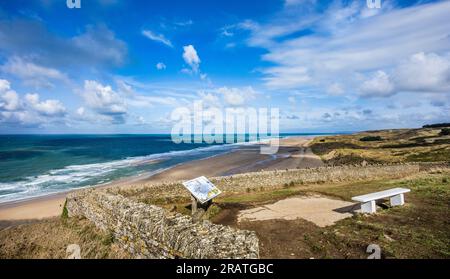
x=412 y=145
x=48 y=239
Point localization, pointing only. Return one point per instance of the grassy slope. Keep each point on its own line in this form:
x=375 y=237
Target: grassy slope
x=420 y=229
x=413 y=145
x=49 y=239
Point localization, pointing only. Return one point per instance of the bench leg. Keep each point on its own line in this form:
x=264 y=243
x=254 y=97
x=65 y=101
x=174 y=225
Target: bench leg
x=398 y=200
x=369 y=207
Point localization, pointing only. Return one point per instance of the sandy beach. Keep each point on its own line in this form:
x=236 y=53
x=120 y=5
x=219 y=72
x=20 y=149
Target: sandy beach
x=293 y=153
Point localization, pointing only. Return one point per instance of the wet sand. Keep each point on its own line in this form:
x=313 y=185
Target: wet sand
x=293 y=153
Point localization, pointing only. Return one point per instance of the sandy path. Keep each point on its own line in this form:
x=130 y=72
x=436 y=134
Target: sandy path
x=293 y=153
x=321 y=211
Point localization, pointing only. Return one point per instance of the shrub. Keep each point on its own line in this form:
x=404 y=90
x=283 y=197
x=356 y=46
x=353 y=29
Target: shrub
x=439 y=125
x=445 y=132
x=65 y=212
x=371 y=138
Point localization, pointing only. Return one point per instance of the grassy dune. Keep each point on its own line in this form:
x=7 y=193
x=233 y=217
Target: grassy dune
x=407 y=145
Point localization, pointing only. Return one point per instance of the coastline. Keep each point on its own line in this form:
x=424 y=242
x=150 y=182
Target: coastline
x=293 y=153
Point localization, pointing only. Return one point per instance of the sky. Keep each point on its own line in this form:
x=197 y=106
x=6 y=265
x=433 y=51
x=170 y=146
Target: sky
x=116 y=66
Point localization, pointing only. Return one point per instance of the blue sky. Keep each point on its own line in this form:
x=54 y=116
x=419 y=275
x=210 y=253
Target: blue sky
x=118 y=66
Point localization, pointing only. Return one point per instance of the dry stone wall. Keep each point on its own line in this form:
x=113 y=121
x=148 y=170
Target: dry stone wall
x=148 y=231
x=272 y=180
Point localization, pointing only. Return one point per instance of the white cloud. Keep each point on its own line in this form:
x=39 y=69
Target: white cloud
x=379 y=85
x=345 y=43
x=29 y=111
x=32 y=74
x=46 y=108
x=139 y=100
x=161 y=66
x=227 y=33
x=184 y=23
x=420 y=73
x=190 y=56
x=286 y=77
x=157 y=37
x=335 y=89
x=237 y=96
x=4 y=85
x=9 y=101
x=424 y=72
x=81 y=111
x=104 y=100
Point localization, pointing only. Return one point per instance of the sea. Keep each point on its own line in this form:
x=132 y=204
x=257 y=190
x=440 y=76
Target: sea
x=38 y=165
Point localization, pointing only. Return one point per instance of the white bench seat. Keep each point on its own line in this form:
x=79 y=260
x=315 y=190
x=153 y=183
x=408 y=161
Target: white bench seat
x=368 y=202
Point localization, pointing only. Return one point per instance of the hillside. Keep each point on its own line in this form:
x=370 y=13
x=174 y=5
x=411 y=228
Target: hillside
x=386 y=146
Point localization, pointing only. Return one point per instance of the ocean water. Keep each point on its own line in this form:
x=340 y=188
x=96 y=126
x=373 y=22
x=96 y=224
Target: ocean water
x=37 y=165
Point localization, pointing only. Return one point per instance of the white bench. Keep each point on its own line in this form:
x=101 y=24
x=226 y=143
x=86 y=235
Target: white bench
x=368 y=204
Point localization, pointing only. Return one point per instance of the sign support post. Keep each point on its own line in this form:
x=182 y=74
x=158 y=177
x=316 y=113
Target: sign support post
x=202 y=193
x=194 y=205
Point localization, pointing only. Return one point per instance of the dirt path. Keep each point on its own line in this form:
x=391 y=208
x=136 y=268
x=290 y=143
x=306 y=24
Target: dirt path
x=319 y=210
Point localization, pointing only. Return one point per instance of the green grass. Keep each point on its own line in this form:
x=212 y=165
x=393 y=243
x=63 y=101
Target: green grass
x=65 y=212
x=441 y=154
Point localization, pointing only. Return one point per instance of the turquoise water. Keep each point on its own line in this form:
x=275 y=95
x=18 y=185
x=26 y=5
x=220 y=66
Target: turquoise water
x=37 y=165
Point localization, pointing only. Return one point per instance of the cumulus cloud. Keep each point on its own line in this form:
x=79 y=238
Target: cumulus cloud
x=105 y=101
x=190 y=56
x=157 y=37
x=28 y=111
x=9 y=100
x=46 y=108
x=421 y=72
x=161 y=66
x=424 y=72
x=379 y=85
x=4 y=85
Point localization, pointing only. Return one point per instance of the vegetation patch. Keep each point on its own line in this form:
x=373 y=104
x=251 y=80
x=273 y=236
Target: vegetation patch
x=371 y=138
x=385 y=146
x=49 y=239
x=445 y=132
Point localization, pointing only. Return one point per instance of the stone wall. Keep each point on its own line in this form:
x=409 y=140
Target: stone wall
x=148 y=231
x=240 y=183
